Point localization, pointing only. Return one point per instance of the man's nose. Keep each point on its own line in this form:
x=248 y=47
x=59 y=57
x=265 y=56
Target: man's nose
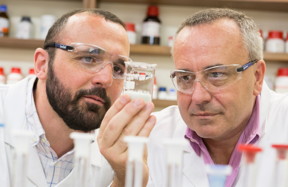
x=200 y=93
x=104 y=75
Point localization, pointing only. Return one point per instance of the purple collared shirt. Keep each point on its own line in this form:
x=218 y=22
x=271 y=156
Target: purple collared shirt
x=250 y=135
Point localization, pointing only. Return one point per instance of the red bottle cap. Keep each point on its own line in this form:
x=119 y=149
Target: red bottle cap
x=31 y=71
x=261 y=33
x=249 y=151
x=16 y=70
x=275 y=34
x=153 y=10
x=2 y=71
x=281 y=150
x=130 y=27
x=282 y=72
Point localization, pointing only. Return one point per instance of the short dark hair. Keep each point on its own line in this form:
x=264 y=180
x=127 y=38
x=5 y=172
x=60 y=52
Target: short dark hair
x=57 y=27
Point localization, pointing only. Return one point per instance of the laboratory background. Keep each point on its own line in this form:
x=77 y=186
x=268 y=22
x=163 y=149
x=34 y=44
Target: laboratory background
x=29 y=21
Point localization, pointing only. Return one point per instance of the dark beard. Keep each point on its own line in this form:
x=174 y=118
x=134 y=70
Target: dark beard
x=85 y=117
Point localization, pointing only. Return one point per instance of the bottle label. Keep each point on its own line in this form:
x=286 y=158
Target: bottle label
x=4 y=25
x=275 y=45
x=151 y=28
x=24 y=30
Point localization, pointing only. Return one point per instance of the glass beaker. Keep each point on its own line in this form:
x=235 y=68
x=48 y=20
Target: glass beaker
x=139 y=80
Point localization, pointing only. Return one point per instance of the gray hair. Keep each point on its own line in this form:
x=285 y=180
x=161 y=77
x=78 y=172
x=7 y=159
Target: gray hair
x=249 y=31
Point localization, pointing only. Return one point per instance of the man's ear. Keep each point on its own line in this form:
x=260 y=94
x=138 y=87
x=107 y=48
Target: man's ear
x=259 y=76
x=41 y=59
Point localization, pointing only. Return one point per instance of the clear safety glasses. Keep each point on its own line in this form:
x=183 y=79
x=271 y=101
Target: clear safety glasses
x=93 y=58
x=212 y=79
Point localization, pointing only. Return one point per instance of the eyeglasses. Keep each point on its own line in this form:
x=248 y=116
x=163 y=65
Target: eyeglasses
x=93 y=58
x=212 y=79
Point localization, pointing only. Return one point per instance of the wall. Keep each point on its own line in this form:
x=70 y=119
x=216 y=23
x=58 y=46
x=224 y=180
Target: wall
x=171 y=17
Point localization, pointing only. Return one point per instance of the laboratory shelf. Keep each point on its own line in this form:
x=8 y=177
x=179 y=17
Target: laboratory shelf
x=140 y=49
x=16 y=43
x=267 y=5
x=164 y=103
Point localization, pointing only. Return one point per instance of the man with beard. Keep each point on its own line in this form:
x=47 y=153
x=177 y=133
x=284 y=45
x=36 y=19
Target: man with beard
x=223 y=101
x=79 y=79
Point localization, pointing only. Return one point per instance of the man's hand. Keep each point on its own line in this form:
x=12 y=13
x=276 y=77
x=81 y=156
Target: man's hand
x=126 y=117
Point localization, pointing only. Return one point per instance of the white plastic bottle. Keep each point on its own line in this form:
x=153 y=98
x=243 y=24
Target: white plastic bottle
x=15 y=75
x=286 y=43
x=31 y=72
x=162 y=94
x=281 y=81
x=24 y=28
x=2 y=76
x=172 y=94
x=130 y=27
x=275 y=42
x=46 y=22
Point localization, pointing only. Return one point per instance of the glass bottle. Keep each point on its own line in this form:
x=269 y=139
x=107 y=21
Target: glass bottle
x=151 y=27
x=4 y=21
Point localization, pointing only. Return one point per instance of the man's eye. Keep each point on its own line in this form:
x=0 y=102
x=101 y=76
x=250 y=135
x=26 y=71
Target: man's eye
x=217 y=75
x=118 y=69
x=89 y=60
x=185 y=78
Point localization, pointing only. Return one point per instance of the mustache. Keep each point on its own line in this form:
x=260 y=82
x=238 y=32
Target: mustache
x=97 y=91
x=204 y=109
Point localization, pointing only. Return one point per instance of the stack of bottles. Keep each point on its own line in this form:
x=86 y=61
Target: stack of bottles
x=14 y=75
x=25 y=27
x=276 y=41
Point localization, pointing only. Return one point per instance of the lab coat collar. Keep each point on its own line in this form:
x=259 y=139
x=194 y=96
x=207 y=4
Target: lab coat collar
x=265 y=103
x=16 y=119
x=191 y=169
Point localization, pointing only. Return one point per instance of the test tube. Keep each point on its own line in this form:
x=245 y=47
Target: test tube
x=4 y=181
x=249 y=168
x=22 y=140
x=281 y=165
x=134 y=170
x=174 y=155
x=217 y=174
x=82 y=148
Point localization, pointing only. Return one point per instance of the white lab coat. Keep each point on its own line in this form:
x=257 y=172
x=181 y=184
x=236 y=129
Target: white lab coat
x=12 y=113
x=274 y=125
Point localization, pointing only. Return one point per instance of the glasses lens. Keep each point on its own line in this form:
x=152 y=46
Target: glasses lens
x=213 y=79
x=219 y=76
x=89 y=49
x=183 y=81
x=94 y=58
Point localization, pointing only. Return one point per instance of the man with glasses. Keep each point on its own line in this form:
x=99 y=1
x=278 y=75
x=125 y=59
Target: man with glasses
x=222 y=102
x=79 y=79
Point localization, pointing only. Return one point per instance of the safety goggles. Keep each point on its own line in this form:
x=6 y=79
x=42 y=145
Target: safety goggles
x=212 y=79
x=93 y=58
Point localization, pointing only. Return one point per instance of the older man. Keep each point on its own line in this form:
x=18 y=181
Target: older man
x=222 y=100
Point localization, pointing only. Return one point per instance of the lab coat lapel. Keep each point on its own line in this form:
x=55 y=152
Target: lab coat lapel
x=35 y=173
x=192 y=170
x=16 y=119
